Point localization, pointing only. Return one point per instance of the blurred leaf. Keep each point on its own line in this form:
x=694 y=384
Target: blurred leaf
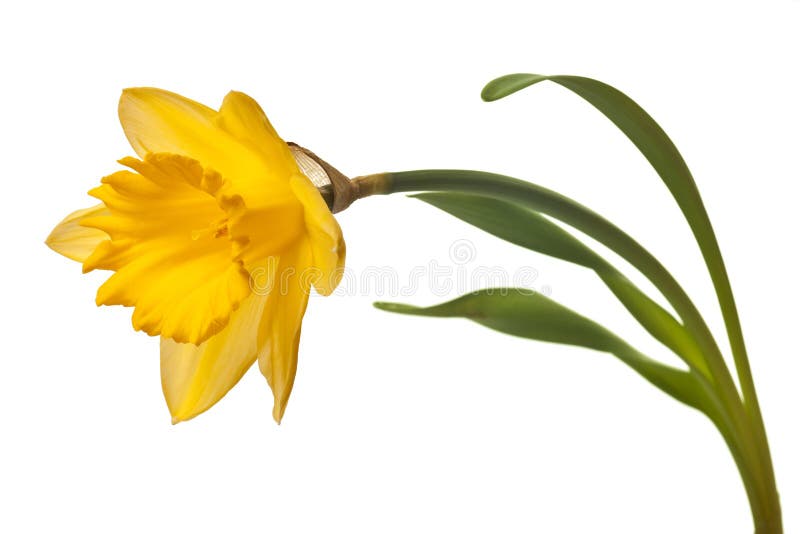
x=528 y=314
x=529 y=229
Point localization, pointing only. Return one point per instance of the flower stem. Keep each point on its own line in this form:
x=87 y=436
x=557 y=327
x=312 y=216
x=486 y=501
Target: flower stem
x=739 y=422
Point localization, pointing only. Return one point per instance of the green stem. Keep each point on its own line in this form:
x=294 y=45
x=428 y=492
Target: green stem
x=747 y=443
x=707 y=240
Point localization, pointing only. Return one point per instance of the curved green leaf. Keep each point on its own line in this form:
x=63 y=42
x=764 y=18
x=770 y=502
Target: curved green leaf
x=529 y=229
x=531 y=315
x=663 y=155
x=566 y=210
x=635 y=123
x=513 y=223
x=509 y=84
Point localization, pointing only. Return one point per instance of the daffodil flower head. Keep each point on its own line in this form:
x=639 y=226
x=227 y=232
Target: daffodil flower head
x=215 y=237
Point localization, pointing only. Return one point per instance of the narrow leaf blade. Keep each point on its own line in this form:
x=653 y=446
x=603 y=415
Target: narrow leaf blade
x=529 y=229
x=510 y=83
x=531 y=315
x=519 y=312
x=514 y=223
x=659 y=150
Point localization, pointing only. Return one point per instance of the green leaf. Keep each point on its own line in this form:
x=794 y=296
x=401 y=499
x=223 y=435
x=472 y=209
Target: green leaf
x=515 y=224
x=663 y=155
x=531 y=315
x=566 y=210
x=509 y=84
x=732 y=415
x=519 y=312
x=644 y=132
x=634 y=122
x=527 y=228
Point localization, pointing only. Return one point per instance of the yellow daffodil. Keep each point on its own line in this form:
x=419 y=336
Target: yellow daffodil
x=215 y=237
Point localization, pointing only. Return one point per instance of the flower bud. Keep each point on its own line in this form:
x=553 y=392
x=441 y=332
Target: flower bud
x=336 y=188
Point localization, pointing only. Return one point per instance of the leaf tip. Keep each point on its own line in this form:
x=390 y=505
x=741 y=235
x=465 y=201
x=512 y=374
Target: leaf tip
x=509 y=84
x=391 y=306
x=489 y=92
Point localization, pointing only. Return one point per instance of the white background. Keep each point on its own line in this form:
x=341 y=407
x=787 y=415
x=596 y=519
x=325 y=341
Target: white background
x=401 y=424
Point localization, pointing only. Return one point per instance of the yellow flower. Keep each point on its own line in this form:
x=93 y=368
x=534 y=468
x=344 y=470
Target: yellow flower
x=215 y=237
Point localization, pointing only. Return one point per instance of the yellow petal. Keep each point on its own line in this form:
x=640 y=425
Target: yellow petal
x=194 y=377
x=327 y=243
x=243 y=118
x=155 y=120
x=169 y=248
x=73 y=240
x=280 y=327
x=270 y=218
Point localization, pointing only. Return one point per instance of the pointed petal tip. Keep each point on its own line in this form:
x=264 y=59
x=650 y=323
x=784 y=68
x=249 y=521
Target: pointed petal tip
x=53 y=243
x=50 y=242
x=182 y=416
x=277 y=411
x=233 y=93
x=73 y=240
x=139 y=91
x=129 y=94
